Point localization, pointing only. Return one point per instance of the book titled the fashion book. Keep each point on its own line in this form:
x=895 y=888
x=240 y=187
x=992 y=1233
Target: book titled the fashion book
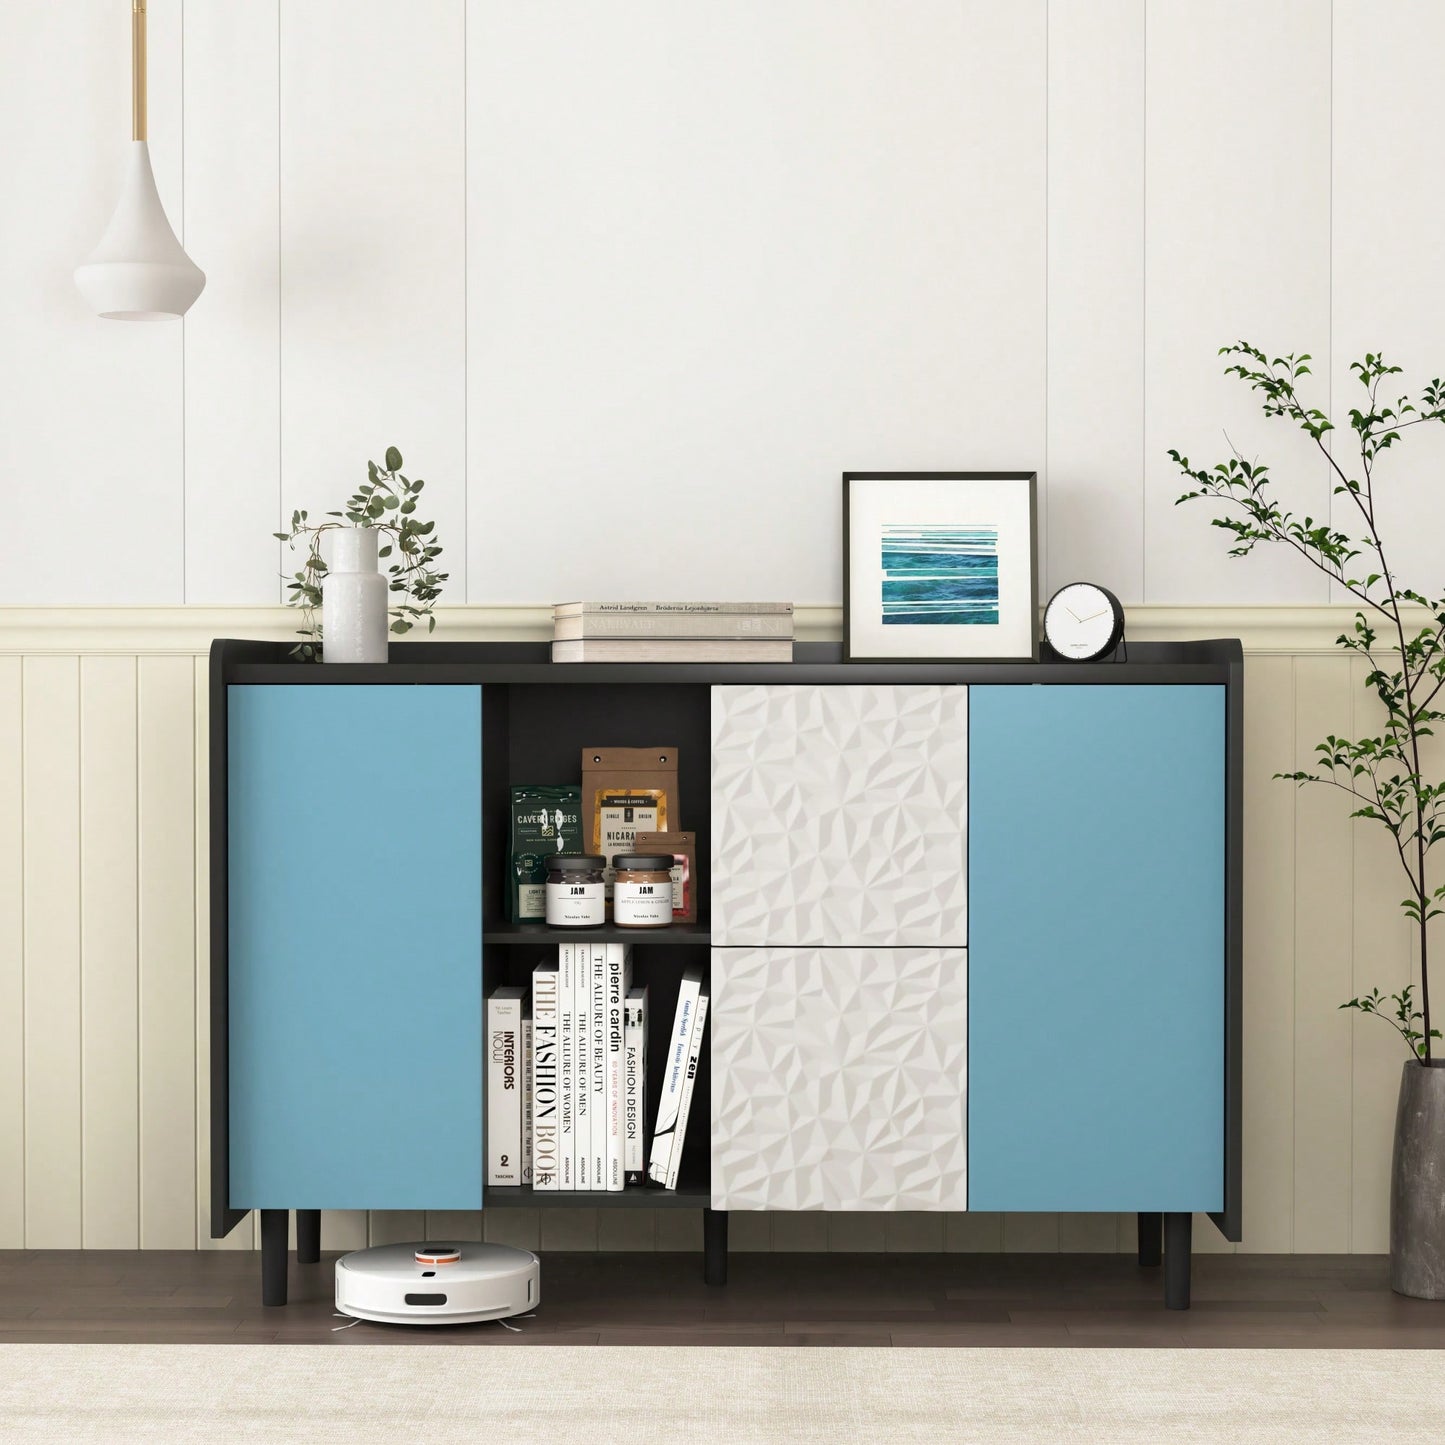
x=679 y=1044
x=544 y=1076
x=505 y=1084
x=634 y=1086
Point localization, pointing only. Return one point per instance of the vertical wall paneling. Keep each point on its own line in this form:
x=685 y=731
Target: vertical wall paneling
x=344 y=1229
x=755 y=264
x=1382 y=956
x=110 y=1037
x=12 y=961
x=1096 y=296
x=1389 y=108
x=90 y=410
x=232 y=335
x=395 y=1226
x=373 y=278
x=1269 y=953
x=167 y=953
x=51 y=905
x=1324 y=970
x=1237 y=207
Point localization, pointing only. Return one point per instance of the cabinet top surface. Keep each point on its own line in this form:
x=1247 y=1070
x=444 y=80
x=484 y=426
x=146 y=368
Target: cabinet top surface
x=238 y=661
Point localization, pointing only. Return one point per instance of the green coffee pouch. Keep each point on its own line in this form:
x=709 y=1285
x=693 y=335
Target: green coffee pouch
x=546 y=819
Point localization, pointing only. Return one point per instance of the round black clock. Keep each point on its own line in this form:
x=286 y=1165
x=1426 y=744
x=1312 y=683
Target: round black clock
x=1083 y=622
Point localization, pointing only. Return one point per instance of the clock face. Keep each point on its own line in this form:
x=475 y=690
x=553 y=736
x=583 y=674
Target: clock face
x=1080 y=621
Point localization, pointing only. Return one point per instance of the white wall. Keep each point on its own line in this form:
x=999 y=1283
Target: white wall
x=632 y=284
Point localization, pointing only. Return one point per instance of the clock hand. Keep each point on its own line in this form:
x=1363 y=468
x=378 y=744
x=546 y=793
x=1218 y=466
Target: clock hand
x=1093 y=615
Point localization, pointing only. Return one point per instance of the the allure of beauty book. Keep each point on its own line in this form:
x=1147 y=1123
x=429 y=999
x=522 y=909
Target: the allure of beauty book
x=671 y=1119
x=544 y=1076
x=634 y=1087
x=505 y=1085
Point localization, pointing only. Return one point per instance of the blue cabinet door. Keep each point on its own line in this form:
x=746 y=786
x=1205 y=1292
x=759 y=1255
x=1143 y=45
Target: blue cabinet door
x=1096 y=948
x=355 y=947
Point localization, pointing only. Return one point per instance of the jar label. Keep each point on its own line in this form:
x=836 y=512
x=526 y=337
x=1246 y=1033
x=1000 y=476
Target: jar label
x=576 y=905
x=643 y=904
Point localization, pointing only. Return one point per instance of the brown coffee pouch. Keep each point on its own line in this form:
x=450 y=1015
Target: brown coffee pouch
x=626 y=791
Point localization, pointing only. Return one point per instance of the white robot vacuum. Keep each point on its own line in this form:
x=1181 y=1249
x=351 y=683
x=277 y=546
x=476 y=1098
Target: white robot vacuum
x=437 y=1284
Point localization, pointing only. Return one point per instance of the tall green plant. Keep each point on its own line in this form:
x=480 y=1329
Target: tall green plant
x=1406 y=659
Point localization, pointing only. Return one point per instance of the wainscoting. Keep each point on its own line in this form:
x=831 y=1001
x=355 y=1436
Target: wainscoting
x=103 y=984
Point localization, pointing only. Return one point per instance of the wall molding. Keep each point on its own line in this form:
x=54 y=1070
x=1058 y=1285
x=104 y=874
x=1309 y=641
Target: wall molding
x=144 y=631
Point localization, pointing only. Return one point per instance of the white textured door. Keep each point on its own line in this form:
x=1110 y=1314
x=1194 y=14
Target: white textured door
x=839 y=815
x=839 y=1078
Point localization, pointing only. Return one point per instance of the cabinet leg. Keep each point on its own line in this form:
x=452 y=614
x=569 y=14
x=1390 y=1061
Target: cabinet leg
x=308 y=1236
x=1151 y=1240
x=715 y=1246
x=1178 y=1231
x=274 y=1223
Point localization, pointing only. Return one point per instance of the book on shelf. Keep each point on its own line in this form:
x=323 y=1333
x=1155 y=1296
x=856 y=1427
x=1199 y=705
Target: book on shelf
x=505 y=1082
x=674 y=626
x=545 y=978
x=618 y=982
x=634 y=1087
x=590 y=610
x=567 y=1055
x=526 y=1099
x=694 y=1058
x=652 y=649
x=679 y=1049
x=592 y=1085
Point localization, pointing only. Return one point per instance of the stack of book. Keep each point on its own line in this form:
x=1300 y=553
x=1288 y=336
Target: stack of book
x=672 y=632
x=567 y=1075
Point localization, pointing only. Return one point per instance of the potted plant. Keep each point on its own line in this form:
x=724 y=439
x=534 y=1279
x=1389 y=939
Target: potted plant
x=377 y=523
x=1401 y=635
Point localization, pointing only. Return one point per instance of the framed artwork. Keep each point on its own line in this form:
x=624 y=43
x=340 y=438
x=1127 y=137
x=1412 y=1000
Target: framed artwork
x=940 y=565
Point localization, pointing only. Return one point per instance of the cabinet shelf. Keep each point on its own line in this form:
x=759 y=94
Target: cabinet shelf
x=697 y=935
x=635 y=1196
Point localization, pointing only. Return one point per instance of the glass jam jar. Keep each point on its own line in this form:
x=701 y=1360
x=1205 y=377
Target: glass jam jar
x=576 y=893
x=642 y=890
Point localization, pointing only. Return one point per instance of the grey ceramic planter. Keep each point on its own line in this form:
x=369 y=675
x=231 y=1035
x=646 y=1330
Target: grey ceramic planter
x=1417 y=1185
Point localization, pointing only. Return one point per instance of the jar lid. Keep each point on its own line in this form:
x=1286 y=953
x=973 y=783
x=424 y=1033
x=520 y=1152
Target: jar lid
x=575 y=862
x=643 y=862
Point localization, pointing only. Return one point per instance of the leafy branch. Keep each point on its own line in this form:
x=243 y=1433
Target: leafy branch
x=386 y=501
x=1382 y=774
x=1406 y=1016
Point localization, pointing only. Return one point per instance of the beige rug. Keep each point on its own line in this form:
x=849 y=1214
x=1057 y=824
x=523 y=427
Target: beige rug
x=176 y=1393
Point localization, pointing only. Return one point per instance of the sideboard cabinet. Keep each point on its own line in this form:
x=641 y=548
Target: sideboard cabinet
x=971 y=932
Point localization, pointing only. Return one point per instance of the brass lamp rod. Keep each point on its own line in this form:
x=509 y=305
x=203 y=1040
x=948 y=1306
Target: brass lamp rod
x=138 y=70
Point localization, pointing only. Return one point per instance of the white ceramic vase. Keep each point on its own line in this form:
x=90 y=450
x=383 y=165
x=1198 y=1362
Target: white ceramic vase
x=353 y=599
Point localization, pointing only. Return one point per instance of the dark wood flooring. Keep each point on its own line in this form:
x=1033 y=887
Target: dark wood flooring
x=1260 y=1301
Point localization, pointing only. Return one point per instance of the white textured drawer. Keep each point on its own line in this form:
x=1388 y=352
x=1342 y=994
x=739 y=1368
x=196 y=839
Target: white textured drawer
x=839 y=815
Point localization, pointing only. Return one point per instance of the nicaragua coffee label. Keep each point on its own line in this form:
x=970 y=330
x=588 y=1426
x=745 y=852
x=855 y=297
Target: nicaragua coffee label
x=620 y=816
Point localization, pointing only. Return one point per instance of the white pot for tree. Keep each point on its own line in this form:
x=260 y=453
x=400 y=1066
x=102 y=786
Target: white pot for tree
x=353 y=599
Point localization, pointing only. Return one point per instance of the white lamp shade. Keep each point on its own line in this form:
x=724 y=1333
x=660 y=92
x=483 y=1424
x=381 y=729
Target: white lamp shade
x=139 y=272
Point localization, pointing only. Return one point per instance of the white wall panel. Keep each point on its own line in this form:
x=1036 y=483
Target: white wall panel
x=1237 y=208
x=1388 y=217
x=717 y=256
x=232 y=352
x=372 y=254
x=12 y=962
x=90 y=410
x=51 y=906
x=166 y=815
x=1096 y=296
x=109 y=1020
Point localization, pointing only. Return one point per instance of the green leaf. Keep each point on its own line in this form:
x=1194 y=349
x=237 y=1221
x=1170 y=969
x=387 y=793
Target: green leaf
x=393 y=459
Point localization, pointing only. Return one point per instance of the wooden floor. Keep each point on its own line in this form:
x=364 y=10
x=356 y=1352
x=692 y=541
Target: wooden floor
x=1260 y=1301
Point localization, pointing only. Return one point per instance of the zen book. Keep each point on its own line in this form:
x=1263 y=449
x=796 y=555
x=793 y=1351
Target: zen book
x=666 y=1134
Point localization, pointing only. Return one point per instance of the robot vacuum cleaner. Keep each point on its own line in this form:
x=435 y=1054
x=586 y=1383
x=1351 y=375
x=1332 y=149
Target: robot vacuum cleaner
x=437 y=1284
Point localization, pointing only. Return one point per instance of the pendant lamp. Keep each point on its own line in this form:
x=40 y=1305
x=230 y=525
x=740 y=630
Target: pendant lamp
x=139 y=272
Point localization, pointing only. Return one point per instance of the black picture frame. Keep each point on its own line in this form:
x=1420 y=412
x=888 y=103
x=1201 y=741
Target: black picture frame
x=1028 y=479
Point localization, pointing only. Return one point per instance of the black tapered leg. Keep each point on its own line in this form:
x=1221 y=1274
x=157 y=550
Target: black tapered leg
x=274 y=1224
x=308 y=1236
x=1151 y=1239
x=715 y=1246
x=1178 y=1231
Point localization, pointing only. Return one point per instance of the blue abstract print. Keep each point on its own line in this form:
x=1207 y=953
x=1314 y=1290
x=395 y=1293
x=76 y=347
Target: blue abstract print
x=940 y=574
